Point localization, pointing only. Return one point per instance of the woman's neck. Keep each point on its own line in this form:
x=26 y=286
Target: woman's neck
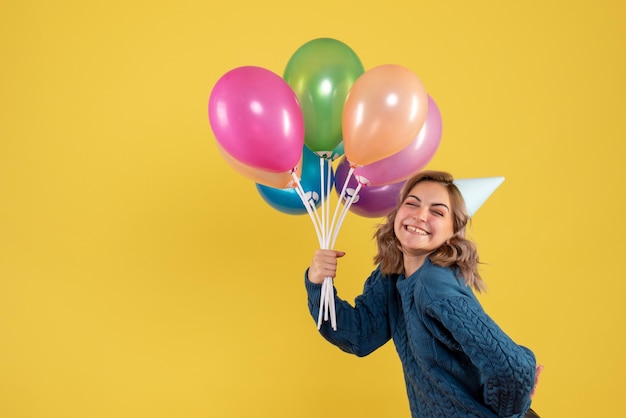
x=413 y=262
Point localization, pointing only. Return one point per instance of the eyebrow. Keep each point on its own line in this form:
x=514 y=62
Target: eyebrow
x=434 y=204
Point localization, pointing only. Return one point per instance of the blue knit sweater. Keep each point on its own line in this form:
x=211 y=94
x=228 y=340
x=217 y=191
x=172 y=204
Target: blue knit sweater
x=457 y=362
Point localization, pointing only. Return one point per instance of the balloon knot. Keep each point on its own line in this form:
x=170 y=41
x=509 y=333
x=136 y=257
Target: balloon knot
x=327 y=155
x=353 y=165
x=364 y=181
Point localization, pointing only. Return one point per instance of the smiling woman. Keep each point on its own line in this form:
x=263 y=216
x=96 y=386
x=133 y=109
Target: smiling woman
x=453 y=354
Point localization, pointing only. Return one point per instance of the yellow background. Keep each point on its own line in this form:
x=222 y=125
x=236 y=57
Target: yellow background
x=141 y=277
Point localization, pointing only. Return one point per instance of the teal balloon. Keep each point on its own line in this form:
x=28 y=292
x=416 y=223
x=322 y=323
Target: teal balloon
x=337 y=152
x=321 y=73
x=287 y=200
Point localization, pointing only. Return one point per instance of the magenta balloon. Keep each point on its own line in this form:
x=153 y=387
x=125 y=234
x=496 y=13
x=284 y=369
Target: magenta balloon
x=410 y=159
x=256 y=118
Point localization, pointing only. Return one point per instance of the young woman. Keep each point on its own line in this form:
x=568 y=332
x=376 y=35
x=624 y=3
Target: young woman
x=457 y=362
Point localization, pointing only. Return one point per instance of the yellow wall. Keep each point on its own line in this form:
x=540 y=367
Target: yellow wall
x=141 y=277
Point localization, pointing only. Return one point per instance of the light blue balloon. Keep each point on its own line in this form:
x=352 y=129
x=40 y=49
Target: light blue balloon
x=287 y=200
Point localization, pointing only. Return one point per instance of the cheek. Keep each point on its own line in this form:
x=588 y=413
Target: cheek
x=447 y=229
x=397 y=226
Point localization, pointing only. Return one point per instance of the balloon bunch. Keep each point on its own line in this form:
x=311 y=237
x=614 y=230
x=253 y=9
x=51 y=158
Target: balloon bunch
x=284 y=133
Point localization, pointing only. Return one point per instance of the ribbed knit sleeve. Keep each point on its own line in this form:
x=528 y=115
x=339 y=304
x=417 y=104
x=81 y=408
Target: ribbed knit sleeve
x=361 y=328
x=507 y=369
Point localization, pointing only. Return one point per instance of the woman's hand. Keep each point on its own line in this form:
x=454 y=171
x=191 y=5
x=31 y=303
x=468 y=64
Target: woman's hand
x=324 y=265
x=538 y=370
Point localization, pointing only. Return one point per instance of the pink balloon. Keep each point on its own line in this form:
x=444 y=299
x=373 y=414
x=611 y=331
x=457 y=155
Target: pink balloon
x=408 y=160
x=257 y=119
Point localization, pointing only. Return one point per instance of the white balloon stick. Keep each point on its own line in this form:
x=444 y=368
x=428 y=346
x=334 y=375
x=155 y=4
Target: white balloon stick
x=329 y=187
x=344 y=212
x=343 y=191
x=322 y=300
x=307 y=206
x=333 y=314
x=324 y=198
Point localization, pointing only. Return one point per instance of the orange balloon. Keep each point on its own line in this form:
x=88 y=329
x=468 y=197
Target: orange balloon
x=384 y=111
x=281 y=180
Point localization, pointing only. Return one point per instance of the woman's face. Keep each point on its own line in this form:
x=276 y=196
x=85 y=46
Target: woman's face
x=424 y=220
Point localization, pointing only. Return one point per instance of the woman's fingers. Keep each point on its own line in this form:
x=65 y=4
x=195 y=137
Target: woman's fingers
x=324 y=264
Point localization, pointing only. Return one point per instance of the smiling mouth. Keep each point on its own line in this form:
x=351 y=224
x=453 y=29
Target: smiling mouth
x=416 y=230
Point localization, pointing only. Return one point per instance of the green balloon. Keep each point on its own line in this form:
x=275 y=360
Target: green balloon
x=321 y=73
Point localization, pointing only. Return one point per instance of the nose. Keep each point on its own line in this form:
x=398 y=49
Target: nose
x=421 y=213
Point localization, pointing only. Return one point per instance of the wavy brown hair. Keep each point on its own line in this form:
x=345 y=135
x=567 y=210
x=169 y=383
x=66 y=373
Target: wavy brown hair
x=458 y=252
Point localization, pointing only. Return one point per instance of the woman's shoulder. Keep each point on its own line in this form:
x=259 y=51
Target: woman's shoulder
x=379 y=284
x=378 y=278
x=430 y=272
x=443 y=282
